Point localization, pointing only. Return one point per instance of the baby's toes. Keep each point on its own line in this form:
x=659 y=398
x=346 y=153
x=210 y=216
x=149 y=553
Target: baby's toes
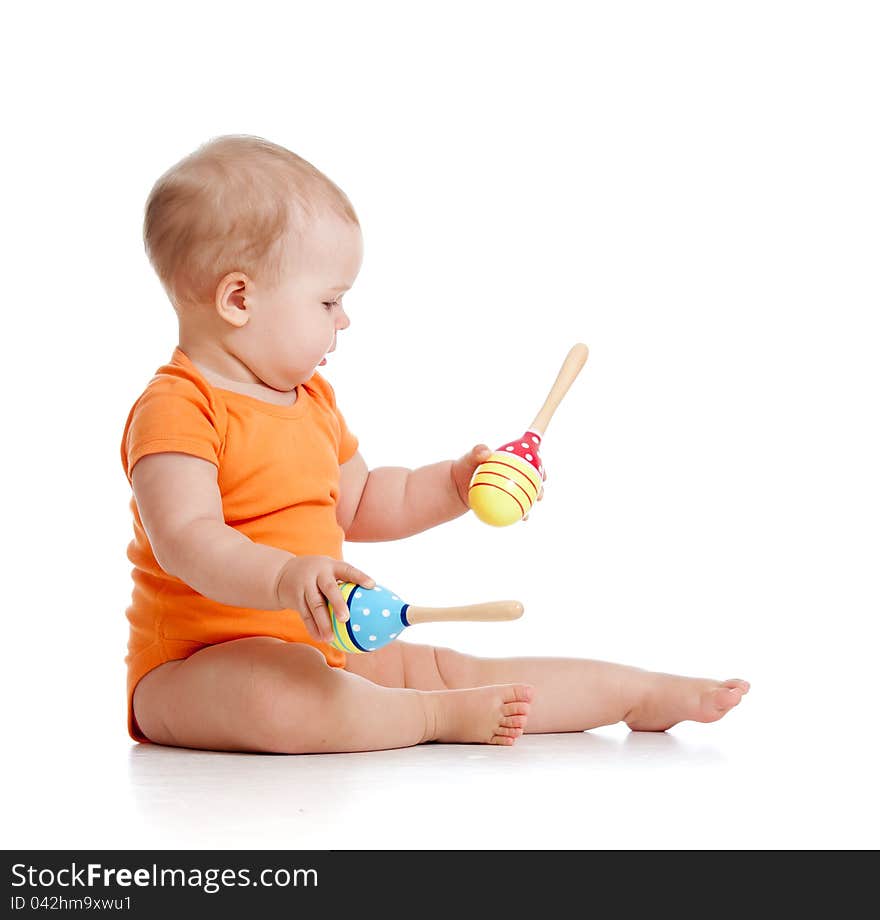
x=518 y=693
x=717 y=702
x=508 y=732
x=513 y=721
x=502 y=739
x=514 y=709
x=737 y=684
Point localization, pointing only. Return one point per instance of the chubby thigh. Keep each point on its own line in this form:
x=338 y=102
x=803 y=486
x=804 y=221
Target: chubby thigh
x=226 y=696
x=261 y=693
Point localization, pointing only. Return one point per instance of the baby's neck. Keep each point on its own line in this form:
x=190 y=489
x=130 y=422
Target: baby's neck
x=226 y=372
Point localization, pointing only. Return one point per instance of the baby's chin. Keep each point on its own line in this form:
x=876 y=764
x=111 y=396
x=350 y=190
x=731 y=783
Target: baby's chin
x=285 y=379
x=288 y=383
x=323 y=361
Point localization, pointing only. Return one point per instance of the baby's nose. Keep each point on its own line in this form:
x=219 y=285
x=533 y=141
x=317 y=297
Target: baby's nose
x=342 y=320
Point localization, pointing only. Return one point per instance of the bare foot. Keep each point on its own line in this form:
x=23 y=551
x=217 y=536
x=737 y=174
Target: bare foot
x=670 y=699
x=496 y=714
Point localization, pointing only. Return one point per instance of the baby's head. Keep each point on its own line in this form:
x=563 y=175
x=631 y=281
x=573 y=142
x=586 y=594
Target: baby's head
x=255 y=249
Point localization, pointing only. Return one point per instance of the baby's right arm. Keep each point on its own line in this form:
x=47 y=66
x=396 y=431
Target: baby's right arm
x=182 y=513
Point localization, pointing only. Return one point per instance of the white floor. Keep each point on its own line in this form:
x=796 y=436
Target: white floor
x=713 y=500
x=757 y=780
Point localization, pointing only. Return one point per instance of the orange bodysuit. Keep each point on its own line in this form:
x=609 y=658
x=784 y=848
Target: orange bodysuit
x=278 y=475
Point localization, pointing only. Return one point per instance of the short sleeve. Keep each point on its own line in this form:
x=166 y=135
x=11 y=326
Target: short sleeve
x=348 y=443
x=172 y=415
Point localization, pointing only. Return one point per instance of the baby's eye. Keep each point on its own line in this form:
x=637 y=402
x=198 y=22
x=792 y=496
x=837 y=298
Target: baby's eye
x=330 y=304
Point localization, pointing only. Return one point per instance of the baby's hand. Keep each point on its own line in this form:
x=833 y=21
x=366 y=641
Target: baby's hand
x=307 y=583
x=463 y=469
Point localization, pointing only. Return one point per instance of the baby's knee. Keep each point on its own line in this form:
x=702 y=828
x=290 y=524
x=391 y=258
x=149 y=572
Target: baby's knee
x=282 y=669
x=456 y=669
x=277 y=660
x=288 y=698
x=431 y=667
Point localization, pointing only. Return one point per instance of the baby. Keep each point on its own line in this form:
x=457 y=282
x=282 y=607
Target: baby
x=246 y=480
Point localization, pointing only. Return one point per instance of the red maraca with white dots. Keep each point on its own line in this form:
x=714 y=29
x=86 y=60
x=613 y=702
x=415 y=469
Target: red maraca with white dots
x=504 y=487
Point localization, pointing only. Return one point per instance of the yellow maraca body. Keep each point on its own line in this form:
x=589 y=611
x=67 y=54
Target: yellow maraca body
x=504 y=488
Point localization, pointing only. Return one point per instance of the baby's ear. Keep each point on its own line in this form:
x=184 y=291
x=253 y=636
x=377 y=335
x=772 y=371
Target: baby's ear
x=229 y=299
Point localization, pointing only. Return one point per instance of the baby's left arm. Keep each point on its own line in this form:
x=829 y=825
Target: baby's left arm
x=391 y=502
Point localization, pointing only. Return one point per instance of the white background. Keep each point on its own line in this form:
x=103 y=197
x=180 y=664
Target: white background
x=690 y=188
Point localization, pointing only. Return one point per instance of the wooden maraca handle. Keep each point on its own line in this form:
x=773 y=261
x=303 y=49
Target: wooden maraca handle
x=571 y=367
x=482 y=613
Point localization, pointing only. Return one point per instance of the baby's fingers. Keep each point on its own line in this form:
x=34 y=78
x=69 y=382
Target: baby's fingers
x=337 y=601
x=540 y=497
x=317 y=605
x=309 y=621
x=345 y=572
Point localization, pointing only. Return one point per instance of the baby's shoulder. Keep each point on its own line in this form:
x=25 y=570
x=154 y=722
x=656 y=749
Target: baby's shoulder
x=176 y=411
x=176 y=383
x=176 y=397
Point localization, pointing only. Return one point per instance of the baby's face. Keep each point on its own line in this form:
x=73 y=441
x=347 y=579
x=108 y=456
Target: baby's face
x=296 y=323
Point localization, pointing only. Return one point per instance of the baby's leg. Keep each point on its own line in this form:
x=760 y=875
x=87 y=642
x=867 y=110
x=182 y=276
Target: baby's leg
x=570 y=694
x=574 y=694
x=263 y=694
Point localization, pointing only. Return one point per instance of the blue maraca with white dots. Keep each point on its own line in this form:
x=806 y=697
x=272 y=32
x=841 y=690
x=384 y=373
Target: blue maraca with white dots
x=378 y=616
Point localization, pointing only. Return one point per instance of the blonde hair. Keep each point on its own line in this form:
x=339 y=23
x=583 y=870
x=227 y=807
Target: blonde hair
x=226 y=207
